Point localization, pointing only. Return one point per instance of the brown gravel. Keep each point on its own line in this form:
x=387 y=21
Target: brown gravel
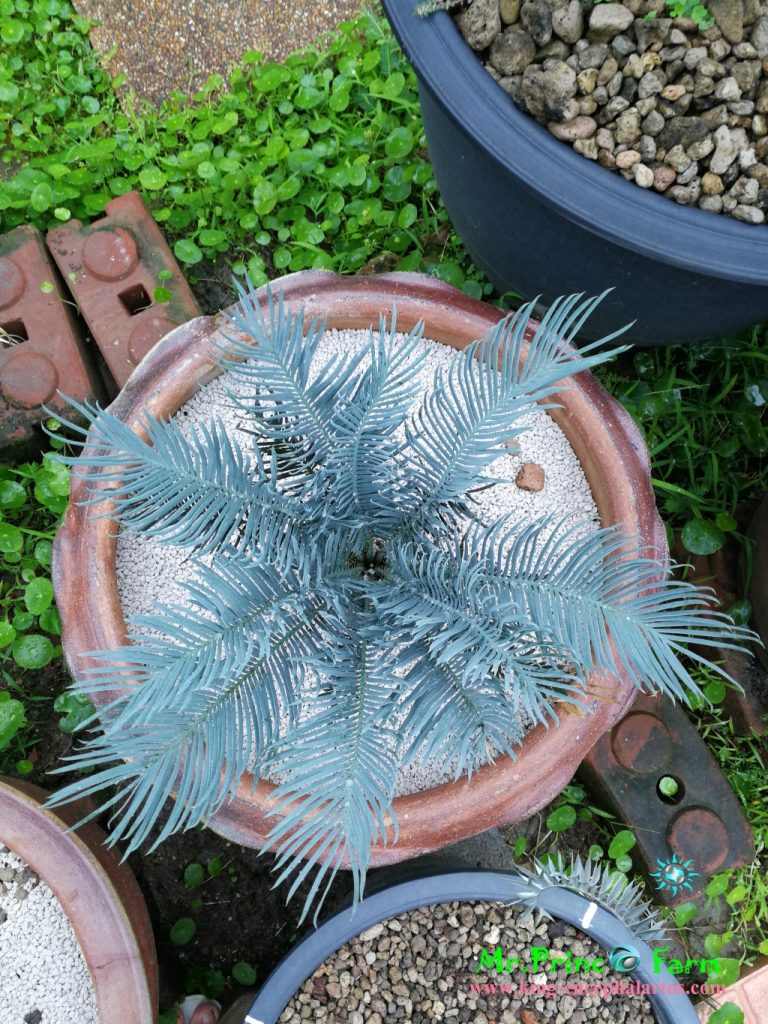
x=162 y=45
x=419 y=967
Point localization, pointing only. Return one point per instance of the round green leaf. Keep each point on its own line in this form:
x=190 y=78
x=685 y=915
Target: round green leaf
x=212 y=236
x=152 y=178
x=11 y=31
x=243 y=973
x=726 y=522
x=11 y=538
x=194 y=875
x=264 y=196
x=206 y=170
x=41 y=197
x=728 y=1013
x=75 y=707
x=38 y=595
x=726 y=973
x=7 y=633
x=407 y=216
x=12 y=494
x=561 y=818
x=718 y=885
x=50 y=621
x=685 y=913
x=622 y=843
x=43 y=552
x=668 y=786
x=186 y=251
x=33 y=650
x=24 y=767
x=9 y=92
x=183 y=931
x=21 y=620
x=715 y=691
x=702 y=537
x=399 y=143
x=624 y=863
x=11 y=720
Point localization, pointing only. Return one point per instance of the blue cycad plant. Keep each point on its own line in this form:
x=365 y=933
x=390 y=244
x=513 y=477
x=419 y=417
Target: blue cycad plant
x=350 y=613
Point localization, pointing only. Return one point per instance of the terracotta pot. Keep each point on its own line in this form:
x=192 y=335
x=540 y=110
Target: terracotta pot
x=98 y=894
x=612 y=455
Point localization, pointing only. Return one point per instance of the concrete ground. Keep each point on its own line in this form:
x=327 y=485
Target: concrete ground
x=162 y=45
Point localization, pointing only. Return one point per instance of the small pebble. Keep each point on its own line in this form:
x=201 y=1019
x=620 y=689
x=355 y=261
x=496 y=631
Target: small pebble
x=530 y=477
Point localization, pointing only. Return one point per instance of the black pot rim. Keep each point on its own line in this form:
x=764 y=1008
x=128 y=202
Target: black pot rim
x=647 y=223
x=447 y=887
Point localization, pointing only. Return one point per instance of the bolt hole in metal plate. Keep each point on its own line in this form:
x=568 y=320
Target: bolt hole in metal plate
x=135 y=299
x=13 y=332
x=670 y=789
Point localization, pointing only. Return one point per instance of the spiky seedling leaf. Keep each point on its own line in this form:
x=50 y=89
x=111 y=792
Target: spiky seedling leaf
x=598 y=883
x=346 y=616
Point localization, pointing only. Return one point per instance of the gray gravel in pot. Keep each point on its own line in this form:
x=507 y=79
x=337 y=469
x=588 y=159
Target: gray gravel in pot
x=419 y=967
x=671 y=107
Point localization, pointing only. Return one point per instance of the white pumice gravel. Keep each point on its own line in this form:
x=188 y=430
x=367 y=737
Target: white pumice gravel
x=43 y=976
x=149 y=573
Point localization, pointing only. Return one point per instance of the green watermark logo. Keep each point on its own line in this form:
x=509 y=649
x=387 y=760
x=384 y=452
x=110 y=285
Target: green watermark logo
x=622 y=959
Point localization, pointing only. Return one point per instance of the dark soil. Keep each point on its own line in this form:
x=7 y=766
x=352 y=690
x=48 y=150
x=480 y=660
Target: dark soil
x=212 y=285
x=237 y=913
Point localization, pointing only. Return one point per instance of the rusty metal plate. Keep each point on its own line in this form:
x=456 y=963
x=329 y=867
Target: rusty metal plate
x=112 y=267
x=41 y=343
x=702 y=823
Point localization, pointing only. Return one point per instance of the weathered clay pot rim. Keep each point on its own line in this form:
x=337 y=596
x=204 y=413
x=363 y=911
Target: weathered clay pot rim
x=462 y=886
x=99 y=895
x=609 y=447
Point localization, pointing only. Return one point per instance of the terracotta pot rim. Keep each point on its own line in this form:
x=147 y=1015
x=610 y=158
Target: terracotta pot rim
x=98 y=894
x=84 y=575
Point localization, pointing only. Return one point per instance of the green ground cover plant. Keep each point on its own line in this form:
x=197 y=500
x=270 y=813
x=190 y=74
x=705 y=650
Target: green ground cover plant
x=317 y=162
x=702 y=411
x=33 y=497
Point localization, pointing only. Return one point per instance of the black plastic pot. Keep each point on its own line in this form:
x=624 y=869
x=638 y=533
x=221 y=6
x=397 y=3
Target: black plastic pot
x=540 y=219
x=593 y=920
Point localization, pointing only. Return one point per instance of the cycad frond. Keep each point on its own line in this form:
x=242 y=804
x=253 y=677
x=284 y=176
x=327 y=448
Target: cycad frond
x=366 y=460
x=273 y=369
x=342 y=765
x=228 y=619
x=447 y=604
x=472 y=408
x=603 y=600
x=196 y=752
x=452 y=723
x=199 y=491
